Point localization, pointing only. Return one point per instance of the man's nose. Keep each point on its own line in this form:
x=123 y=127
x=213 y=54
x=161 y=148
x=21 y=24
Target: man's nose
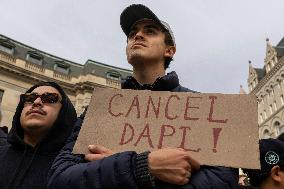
x=139 y=35
x=37 y=102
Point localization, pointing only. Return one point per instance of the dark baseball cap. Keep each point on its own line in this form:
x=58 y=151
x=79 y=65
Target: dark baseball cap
x=271 y=154
x=137 y=12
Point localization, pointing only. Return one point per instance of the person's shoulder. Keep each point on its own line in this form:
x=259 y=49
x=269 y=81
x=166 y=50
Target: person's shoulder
x=181 y=88
x=3 y=131
x=4 y=148
x=215 y=177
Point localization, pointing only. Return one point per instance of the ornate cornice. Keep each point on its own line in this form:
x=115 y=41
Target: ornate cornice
x=268 y=76
x=271 y=116
x=33 y=76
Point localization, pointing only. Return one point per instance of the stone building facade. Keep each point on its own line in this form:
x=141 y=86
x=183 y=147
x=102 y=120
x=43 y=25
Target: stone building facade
x=22 y=66
x=267 y=84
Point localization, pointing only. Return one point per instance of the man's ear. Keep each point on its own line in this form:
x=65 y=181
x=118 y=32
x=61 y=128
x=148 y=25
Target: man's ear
x=277 y=175
x=170 y=51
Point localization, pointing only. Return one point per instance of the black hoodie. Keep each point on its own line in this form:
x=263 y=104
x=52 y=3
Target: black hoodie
x=3 y=135
x=26 y=167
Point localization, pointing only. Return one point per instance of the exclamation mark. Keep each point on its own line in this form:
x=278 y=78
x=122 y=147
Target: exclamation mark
x=216 y=133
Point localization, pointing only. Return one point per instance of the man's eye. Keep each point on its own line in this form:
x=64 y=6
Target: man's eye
x=150 y=31
x=131 y=34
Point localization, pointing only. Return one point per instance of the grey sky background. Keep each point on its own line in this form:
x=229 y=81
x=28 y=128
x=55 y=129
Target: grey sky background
x=215 y=39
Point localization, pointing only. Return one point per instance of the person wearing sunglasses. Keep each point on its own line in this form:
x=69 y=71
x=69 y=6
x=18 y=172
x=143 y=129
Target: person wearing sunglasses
x=271 y=174
x=150 y=49
x=43 y=121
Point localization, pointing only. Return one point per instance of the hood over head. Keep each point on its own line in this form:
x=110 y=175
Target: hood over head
x=59 y=132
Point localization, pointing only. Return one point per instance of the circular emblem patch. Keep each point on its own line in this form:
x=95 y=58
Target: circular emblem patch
x=271 y=158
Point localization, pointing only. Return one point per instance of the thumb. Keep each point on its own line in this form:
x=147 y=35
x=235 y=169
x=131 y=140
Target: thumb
x=97 y=149
x=195 y=165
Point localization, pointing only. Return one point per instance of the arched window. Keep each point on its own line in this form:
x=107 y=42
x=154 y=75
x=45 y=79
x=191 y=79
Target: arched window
x=261 y=117
x=278 y=128
x=1 y=95
x=266 y=134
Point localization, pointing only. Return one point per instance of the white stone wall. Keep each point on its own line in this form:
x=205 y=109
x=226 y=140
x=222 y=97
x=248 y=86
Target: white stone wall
x=16 y=76
x=270 y=93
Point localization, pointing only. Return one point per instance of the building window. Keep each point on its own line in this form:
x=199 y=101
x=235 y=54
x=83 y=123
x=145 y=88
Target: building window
x=278 y=128
x=262 y=100
x=7 y=48
x=1 y=95
x=270 y=109
x=34 y=58
x=274 y=105
x=62 y=68
x=261 y=117
x=268 y=67
x=267 y=98
x=265 y=115
x=266 y=134
x=113 y=75
x=270 y=93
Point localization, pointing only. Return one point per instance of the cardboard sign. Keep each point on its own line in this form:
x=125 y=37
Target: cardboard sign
x=216 y=129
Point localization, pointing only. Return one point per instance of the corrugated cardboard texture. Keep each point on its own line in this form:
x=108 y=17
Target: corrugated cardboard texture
x=216 y=129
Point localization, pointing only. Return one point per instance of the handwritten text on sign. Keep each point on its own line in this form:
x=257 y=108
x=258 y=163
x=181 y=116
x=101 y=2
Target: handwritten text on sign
x=216 y=129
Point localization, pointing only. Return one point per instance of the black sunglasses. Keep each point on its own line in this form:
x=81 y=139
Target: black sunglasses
x=29 y=98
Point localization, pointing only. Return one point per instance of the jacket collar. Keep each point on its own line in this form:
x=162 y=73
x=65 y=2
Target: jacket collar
x=165 y=83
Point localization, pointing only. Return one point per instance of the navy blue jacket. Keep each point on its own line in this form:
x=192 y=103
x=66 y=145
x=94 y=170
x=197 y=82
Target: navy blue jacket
x=118 y=171
x=3 y=135
x=25 y=167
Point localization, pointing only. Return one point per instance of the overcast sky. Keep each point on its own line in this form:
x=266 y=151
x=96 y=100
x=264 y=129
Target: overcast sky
x=215 y=39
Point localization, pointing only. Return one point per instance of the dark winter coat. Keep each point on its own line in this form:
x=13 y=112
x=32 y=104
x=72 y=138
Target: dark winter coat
x=26 y=167
x=118 y=171
x=3 y=135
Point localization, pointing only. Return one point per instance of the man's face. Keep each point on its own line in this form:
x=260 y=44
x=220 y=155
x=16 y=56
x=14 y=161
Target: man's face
x=39 y=116
x=146 y=42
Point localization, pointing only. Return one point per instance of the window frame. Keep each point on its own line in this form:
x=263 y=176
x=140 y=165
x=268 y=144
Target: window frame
x=61 y=68
x=34 y=58
x=8 y=47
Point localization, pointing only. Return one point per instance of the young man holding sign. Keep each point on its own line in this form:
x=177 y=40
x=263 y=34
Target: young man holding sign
x=150 y=48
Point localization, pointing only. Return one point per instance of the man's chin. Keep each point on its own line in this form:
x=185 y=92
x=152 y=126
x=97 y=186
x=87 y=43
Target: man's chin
x=34 y=126
x=136 y=58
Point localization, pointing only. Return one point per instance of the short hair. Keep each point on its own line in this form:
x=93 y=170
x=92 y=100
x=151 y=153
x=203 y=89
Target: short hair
x=168 y=41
